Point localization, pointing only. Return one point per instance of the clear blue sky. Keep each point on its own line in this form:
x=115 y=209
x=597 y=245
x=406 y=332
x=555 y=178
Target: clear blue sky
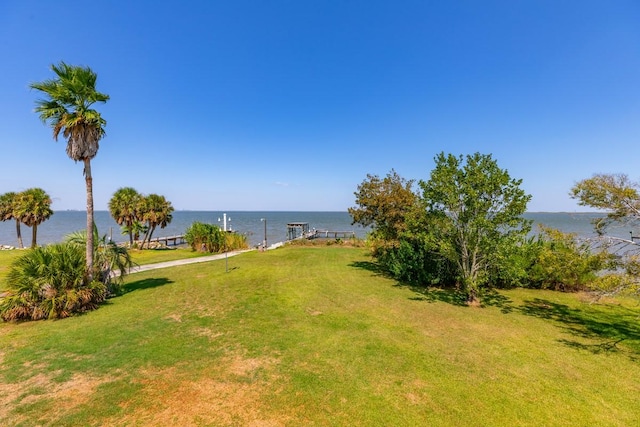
x=288 y=105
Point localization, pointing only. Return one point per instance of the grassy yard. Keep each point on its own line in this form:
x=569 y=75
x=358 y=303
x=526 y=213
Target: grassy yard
x=316 y=336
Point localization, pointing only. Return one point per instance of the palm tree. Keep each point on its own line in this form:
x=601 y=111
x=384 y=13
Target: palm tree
x=123 y=207
x=67 y=109
x=7 y=204
x=156 y=211
x=32 y=207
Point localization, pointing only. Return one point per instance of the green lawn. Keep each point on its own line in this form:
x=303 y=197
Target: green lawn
x=316 y=336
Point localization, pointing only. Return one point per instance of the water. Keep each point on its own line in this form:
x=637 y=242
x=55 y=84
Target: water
x=249 y=223
x=62 y=223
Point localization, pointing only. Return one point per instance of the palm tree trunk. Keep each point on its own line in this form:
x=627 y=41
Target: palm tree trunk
x=34 y=233
x=89 y=183
x=151 y=230
x=19 y=234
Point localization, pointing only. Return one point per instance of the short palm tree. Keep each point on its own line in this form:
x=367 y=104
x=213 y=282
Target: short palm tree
x=156 y=211
x=32 y=207
x=7 y=203
x=67 y=108
x=124 y=206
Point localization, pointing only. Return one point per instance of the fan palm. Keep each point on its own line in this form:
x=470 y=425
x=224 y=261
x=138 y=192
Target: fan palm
x=156 y=211
x=67 y=109
x=32 y=207
x=7 y=203
x=123 y=207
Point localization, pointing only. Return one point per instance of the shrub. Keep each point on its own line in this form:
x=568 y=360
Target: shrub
x=49 y=283
x=210 y=238
x=563 y=263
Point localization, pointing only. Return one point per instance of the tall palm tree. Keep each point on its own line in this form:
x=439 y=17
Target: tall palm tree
x=156 y=211
x=32 y=207
x=7 y=209
x=67 y=109
x=123 y=207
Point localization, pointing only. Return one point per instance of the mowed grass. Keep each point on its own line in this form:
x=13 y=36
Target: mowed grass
x=316 y=336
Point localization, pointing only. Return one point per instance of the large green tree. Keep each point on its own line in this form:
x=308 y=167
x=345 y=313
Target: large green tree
x=156 y=212
x=68 y=108
x=124 y=207
x=383 y=204
x=472 y=208
x=33 y=207
x=7 y=213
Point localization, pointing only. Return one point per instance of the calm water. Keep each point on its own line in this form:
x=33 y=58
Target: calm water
x=249 y=223
x=65 y=222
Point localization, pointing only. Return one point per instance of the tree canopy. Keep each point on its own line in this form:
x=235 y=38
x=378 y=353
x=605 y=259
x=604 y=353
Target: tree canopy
x=477 y=207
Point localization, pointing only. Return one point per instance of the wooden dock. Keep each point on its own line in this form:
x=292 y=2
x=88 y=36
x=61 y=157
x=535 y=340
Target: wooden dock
x=169 y=240
x=318 y=234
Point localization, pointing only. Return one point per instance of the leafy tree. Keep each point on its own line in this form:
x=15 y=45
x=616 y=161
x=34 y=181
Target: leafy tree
x=124 y=207
x=32 y=207
x=156 y=211
x=67 y=108
x=614 y=193
x=478 y=208
x=383 y=204
x=619 y=197
x=7 y=203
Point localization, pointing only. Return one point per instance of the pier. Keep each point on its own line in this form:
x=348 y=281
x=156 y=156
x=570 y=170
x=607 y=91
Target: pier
x=300 y=230
x=170 y=240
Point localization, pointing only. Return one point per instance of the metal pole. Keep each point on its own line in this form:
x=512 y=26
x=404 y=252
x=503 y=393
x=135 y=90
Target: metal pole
x=265 y=233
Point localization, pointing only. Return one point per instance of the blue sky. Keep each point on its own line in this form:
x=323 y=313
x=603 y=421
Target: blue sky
x=288 y=105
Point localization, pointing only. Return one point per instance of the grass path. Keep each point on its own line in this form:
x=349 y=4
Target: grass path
x=315 y=336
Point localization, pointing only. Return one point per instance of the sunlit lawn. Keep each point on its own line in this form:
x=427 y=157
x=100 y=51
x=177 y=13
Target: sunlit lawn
x=315 y=336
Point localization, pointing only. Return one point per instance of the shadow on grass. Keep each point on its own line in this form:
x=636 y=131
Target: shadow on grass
x=605 y=329
x=373 y=267
x=432 y=294
x=150 y=283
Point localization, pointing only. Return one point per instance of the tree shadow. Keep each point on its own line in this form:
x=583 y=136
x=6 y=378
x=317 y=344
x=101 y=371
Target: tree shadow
x=139 y=285
x=493 y=298
x=605 y=329
x=449 y=295
x=373 y=267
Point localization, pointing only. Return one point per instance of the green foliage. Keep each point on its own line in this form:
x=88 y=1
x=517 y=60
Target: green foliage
x=32 y=207
x=383 y=204
x=414 y=260
x=111 y=261
x=563 y=263
x=49 y=283
x=477 y=208
x=235 y=241
x=614 y=193
x=124 y=209
x=155 y=211
x=205 y=237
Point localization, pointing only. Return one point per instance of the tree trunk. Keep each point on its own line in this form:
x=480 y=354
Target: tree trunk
x=34 y=233
x=151 y=230
x=19 y=234
x=89 y=183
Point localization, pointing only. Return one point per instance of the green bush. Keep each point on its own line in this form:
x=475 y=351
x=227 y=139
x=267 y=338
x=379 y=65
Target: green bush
x=210 y=238
x=413 y=261
x=563 y=263
x=204 y=237
x=49 y=283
